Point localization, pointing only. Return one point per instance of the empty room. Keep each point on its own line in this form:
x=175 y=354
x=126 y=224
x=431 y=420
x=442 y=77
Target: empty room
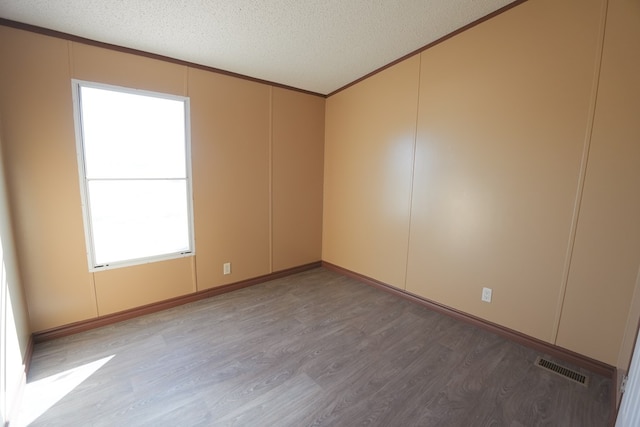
x=408 y=213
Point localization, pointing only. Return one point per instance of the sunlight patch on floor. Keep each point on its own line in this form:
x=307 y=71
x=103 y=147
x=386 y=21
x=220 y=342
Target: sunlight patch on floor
x=41 y=395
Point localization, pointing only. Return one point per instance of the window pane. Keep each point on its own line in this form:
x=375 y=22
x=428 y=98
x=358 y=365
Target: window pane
x=132 y=136
x=138 y=219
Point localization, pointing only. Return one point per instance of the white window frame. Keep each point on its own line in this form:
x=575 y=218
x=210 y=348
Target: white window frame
x=84 y=193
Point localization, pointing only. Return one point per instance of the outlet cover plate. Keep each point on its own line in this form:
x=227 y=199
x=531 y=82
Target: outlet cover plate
x=486 y=294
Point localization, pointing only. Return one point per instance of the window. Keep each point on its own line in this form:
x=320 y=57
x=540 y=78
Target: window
x=135 y=174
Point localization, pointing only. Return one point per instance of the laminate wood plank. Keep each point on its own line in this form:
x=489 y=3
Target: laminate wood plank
x=281 y=405
x=313 y=349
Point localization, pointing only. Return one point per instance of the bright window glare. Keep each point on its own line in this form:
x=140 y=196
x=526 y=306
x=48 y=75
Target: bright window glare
x=138 y=219
x=134 y=149
x=132 y=136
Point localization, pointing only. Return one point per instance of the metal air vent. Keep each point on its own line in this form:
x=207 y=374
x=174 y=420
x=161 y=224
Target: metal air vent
x=562 y=371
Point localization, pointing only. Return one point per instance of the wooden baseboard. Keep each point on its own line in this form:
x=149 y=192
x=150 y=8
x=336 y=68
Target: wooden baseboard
x=28 y=354
x=85 y=325
x=569 y=356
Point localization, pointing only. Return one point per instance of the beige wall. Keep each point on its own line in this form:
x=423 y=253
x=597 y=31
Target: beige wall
x=236 y=127
x=14 y=321
x=503 y=122
x=42 y=178
x=369 y=139
x=297 y=154
x=501 y=127
x=606 y=256
x=231 y=119
x=12 y=272
x=9 y=258
x=484 y=161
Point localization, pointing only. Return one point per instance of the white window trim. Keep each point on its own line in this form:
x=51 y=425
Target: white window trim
x=75 y=85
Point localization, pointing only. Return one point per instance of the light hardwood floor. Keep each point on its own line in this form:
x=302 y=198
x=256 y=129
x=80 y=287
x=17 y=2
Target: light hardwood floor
x=313 y=349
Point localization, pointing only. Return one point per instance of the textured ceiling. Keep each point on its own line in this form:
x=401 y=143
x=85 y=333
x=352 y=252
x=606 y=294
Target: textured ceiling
x=315 y=45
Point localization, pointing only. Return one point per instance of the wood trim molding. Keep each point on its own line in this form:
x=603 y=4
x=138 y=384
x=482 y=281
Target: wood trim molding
x=70 y=37
x=65 y=36
x=432 y=44
x=28 y=354
x=85 y=325
x=569 y=356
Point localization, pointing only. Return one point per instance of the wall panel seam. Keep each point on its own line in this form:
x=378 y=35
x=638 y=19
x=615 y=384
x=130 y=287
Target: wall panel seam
x=270 y=179
x=413 y=172
x=581 y=175
x=72 y=74
x=185 y=89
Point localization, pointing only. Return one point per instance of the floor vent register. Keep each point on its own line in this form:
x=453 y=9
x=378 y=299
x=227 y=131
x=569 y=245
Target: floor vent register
x=562 y=371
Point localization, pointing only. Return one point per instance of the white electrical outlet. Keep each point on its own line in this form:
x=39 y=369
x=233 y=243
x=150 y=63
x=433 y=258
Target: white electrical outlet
x=226 y=268
x=486 y=294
